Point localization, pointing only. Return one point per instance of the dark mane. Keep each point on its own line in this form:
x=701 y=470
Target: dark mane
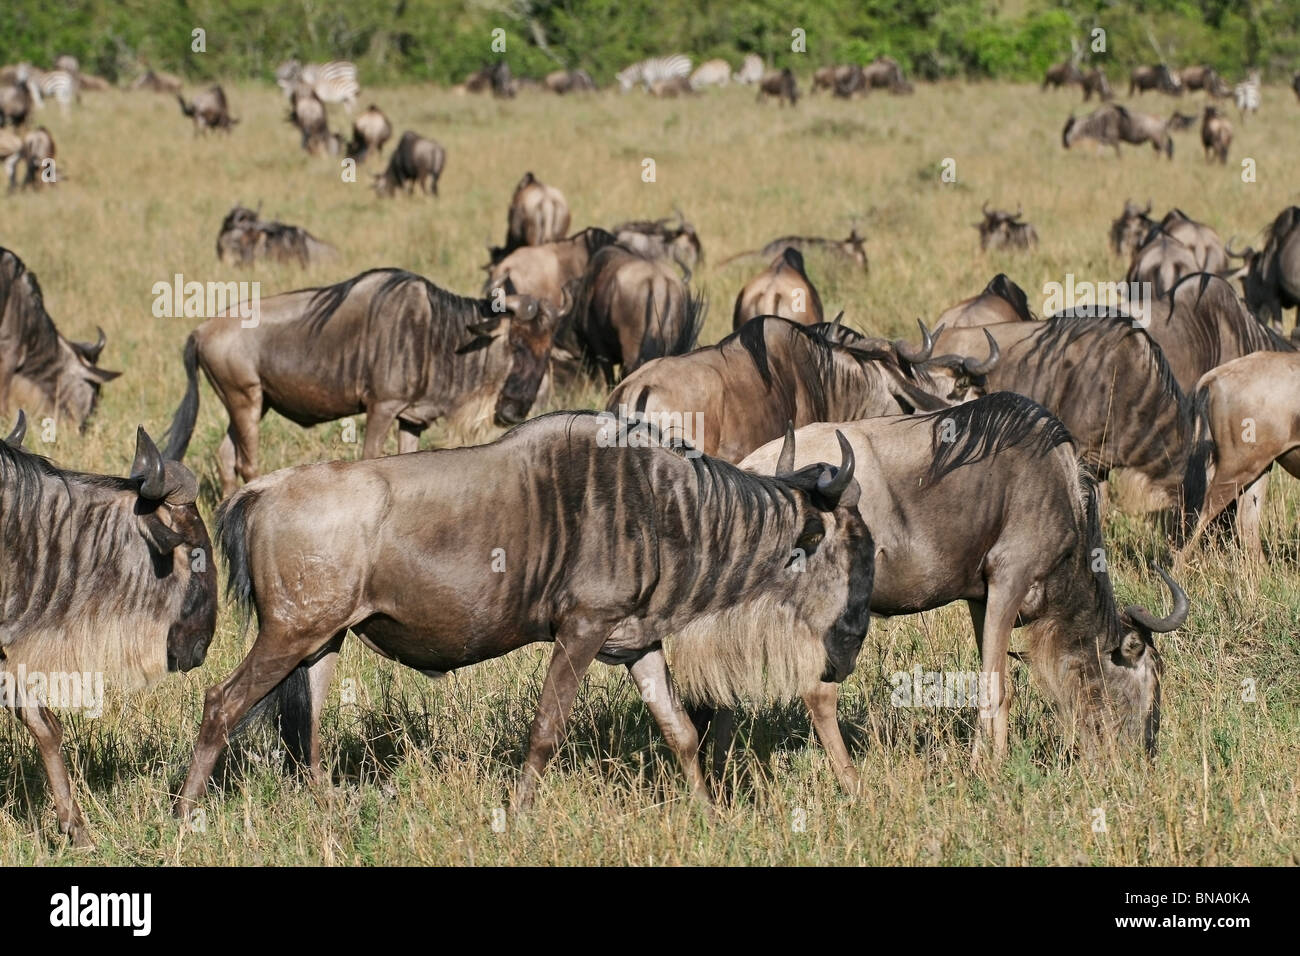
x=325 y=301
x=1250 y=333
x=1002 y=287
x=1103 y=595
x=34 y=327
x=989 y=425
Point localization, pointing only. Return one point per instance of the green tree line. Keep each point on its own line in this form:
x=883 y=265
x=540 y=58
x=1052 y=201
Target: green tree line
x=443 y=40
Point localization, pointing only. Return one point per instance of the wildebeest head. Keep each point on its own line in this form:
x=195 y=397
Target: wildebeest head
x=1132 y=226
x=528 y=326
x=968 y=375
x=1267 y=275
x=999 y=229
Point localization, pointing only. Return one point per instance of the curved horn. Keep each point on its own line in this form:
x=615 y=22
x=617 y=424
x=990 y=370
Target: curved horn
x=916 y=356
x=984 y=209
x=785 y=460
x=15 y=438
x=1162 y=625
x=983 y=368
x=1147 y=211
x=834 y=481
x=1229 y=250
x=90 y=352
x=147 y=467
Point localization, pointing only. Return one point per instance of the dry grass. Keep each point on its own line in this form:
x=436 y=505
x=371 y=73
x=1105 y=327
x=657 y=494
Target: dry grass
x=420 y=767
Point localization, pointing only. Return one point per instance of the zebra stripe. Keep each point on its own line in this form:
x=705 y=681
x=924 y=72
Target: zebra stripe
x=334 y=82
x=655 y=70
x=1247 y=94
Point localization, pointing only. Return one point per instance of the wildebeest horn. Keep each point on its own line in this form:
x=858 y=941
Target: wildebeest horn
x=917 y=356
x=1158 y=625
x=983 y=368
x=834 y=481
x=1147 y=211
x=984 y=209
x=15 y=438
x=90 y=352
x=1230 y=251
x=148 y=467
x=785 y=460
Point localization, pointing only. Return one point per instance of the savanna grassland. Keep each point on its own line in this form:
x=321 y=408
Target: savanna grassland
x=419 y=767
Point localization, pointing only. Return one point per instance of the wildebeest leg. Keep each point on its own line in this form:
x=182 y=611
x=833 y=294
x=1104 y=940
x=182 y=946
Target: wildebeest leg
x=48 y=732
x=226 y=463
x=576 y=646
x=1223 y=490
x=650 y=675
x=822 y=705
x=1250 y=507
x=379 y=419
x=408 y=437
x=993 y=619
x=319 y=677
x=275 y=653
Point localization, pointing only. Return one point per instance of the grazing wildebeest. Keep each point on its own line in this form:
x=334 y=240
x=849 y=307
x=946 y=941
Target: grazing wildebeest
x=1161 y=261
x=158 y=82
x=40 y=369
x=98 y=576
x=36 y=152
x=771 y=371
x=1106 y=379
x=11 y=148
x=662 y=239
x=850 y=81
x=1178 y=122
x=538 y=214
x=406 y=577
x=245 y=238
x=853 y=249
x=780 y=84
x=209 y=110
x=1271 y=277
x=1216 y=135
x=824 y=77
x=1199 y=78
x=671 y=87
x=1024 y=556
x=884 y=73
x=1206 y=246
x=415 y=162
x=629 y=309
x=370 y=130
x=15 y=104
x=1062 y=74
x=1094 y=81
x=1004 y=230
x=783 y=289
x=569 y=81
x=1112 y=124
x=543 y=271
x=307 y=113
x=1001 y=301
x=387 y=343
x=1246 y=421
x=711 y=73
x=1158 y=77
x=1128 y=232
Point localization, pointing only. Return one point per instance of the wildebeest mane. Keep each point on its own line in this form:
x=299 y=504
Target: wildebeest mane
x=1002 y=286
x=35 y=329
x=1255 y=336
x=987 y=426
x=326 y=301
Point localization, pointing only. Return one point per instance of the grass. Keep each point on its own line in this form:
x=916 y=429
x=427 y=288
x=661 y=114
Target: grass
x=421 y=768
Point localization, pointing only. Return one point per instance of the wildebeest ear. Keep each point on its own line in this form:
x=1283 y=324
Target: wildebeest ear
x=509 y=286
x=15 y=438
x=96 y=374
x=161 y=539
x=147 y=469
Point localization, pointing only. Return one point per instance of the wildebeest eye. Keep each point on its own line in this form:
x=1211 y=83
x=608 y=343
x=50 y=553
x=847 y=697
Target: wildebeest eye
x=811 y=536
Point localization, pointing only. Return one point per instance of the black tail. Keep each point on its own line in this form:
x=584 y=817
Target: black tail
x=181 y=429
x=1196 y=477
x=289 y=703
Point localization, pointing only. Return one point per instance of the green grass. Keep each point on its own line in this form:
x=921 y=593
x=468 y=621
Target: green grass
x=419 y=768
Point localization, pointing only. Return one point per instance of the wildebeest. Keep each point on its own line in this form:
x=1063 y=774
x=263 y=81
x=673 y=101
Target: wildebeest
x=1201 y=78
x=40 y=370
x=824 y=77
x=158 y=82
x=415 y=162
x=853 y=249
x=386 y=342
x=849 y=81
x=671 y=87
x=208 y=109
x=98 y=576
x=1005 y=230
x=662 y=238
x=1206 y=245
x=1112 y=124
x=1106 y=379
x=771 y=371
x=307 y=113
x=1062 y=74
x=629 y=309
x=780 y=84
x=1131 y=228
x=370 y=130
x=1181 y=121
x=544 y=271
x=1271 y=277
x=1246 y=421
x=1161 y=261
x=15 y=104
x=245 y=237
x=35 y=155
x=1216 y=135
x=749 y=627
x=569 y=81
x=884 y=73
x=1001 y=301
x=783 y=289
x=538 y=214
x=1158 y=77
x=1025 y=556
x=1094 y=81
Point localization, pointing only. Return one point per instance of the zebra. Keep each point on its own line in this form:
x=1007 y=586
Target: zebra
x=334 y=82
x=655 y=70
x=751 y=70
x=58 y=85
x=1247 y=95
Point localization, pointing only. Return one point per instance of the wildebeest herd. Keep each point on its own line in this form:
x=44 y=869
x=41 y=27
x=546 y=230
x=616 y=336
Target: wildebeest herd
x=833 y=475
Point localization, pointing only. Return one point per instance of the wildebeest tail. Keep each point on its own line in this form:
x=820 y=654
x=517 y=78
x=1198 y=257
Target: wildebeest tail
x=186 y=108
x=289 y=703
x=1196 y=477
x=181 y=429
